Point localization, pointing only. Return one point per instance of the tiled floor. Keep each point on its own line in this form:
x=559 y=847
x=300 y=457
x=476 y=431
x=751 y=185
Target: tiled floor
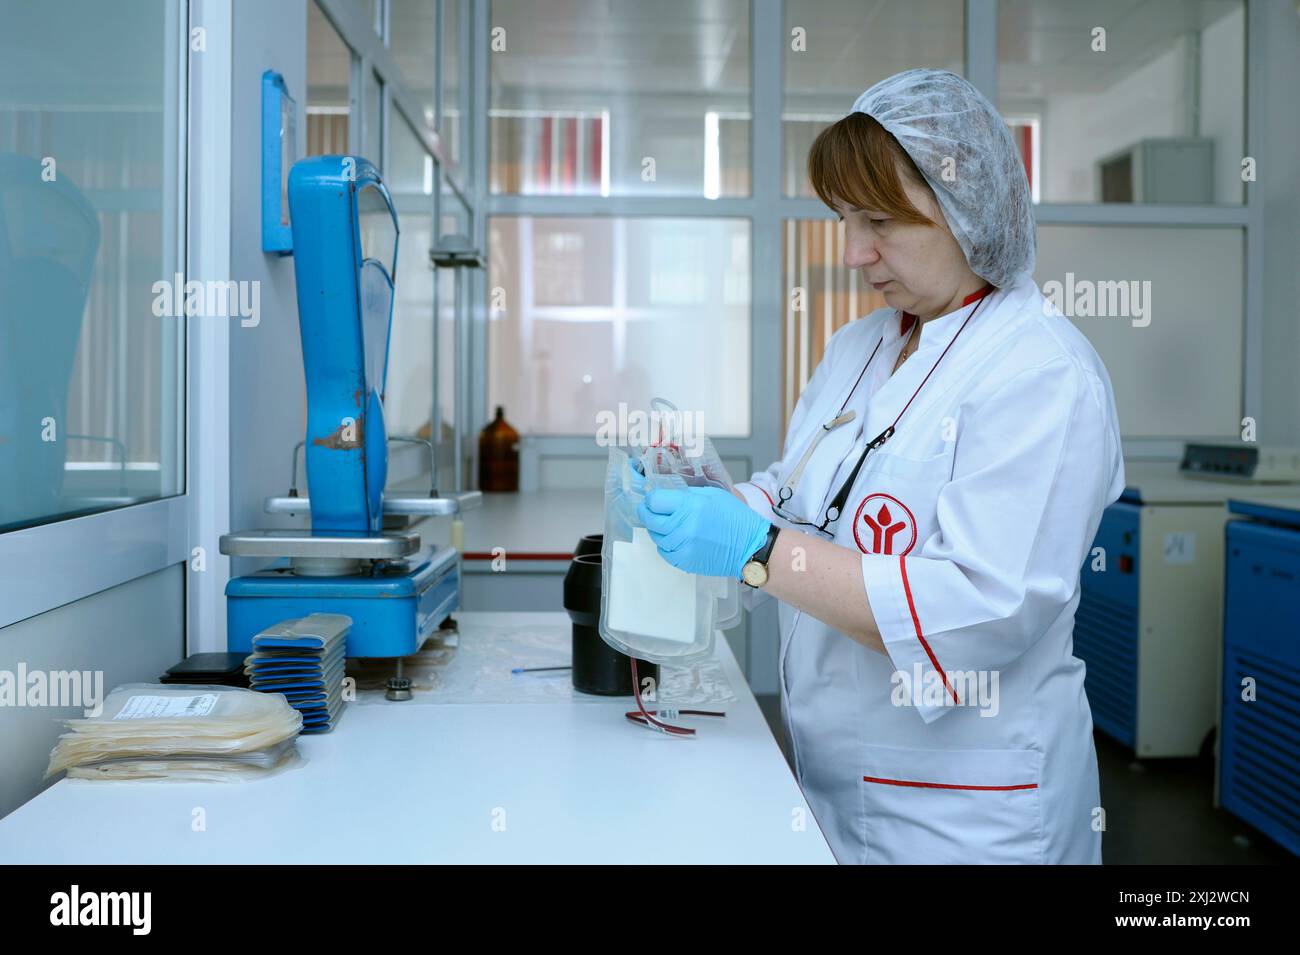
x=1157 y=811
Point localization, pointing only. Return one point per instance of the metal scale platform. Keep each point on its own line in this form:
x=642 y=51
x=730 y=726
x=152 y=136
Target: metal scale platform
x=396 y=591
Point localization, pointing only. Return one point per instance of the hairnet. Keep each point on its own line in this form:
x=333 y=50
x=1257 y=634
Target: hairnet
x=965 y=152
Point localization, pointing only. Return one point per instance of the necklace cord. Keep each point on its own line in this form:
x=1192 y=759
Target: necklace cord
x=837 y=504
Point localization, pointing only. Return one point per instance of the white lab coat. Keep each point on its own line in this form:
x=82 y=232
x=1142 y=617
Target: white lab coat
x=973 y=522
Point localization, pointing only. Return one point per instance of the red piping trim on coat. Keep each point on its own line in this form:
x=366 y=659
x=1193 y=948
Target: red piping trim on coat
x=916 y=623
x=908 y=782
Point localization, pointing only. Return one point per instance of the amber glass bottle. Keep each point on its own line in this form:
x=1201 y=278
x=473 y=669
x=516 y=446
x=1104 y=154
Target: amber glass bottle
x=498 y=455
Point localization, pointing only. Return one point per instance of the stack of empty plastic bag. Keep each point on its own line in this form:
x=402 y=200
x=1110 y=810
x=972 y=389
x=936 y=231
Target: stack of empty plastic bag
x=182 y=733
x=303 y=660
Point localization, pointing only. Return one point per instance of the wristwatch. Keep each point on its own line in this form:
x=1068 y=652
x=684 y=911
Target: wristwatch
x=754 y=573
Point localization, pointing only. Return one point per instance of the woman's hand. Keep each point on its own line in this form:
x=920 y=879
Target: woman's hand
x=703 y=530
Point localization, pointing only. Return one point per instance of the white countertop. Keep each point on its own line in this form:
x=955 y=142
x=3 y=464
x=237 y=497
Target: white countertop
x=1162 y=483
x=501 y=782
x=530 y=525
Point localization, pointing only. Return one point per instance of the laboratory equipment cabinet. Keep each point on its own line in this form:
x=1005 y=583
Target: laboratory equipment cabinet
x=1149 y=621
x=1259 y=745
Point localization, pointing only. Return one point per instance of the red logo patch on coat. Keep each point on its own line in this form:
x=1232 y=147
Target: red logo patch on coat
x=884 y=525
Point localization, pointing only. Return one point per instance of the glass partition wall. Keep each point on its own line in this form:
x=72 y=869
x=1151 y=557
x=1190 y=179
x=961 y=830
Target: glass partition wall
x=91 y=344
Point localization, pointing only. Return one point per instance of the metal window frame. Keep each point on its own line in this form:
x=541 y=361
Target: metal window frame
x=54 y=564
x=208 y=360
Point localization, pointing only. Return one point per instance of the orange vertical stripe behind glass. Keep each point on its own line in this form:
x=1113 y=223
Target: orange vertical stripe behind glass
x=831 y=297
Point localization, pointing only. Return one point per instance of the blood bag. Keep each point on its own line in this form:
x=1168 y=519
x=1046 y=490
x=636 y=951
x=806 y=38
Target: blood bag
x=649 y=609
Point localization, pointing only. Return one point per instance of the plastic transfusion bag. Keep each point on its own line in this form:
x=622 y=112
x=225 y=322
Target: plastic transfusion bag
x=649 y=609
x=148 y=730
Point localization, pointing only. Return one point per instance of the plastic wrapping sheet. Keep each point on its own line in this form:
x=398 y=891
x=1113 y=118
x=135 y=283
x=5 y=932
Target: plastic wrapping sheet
x=451 y=669
x=195 y=769
x=183 y=732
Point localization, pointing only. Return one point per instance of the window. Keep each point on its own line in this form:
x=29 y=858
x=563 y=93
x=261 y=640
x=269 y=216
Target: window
x=834 y=50
x=92 y=329
x=630 y=99
x=410 y=167
x=408 y=401
x=374 y=123
x=413 y=33
x=449 y=119
x=824 y=295
x=329 y=79
x=592 y=312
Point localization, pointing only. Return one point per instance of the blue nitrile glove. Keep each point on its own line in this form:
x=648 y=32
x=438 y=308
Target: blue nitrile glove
x=703 y=530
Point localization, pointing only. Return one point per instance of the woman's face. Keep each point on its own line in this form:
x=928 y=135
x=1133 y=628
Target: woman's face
x=918 y=268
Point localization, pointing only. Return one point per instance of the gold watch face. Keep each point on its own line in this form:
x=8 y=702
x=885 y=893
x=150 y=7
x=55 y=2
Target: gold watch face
x=754 y=574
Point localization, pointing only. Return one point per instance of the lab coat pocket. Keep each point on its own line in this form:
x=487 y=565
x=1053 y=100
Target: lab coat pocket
x=890 y=466
x=952 y=806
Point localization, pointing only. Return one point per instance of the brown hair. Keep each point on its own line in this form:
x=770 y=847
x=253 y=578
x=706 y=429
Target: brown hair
x=856 y=160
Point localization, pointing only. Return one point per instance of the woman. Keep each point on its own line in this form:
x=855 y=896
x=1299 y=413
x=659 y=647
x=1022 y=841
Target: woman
x=958 y=449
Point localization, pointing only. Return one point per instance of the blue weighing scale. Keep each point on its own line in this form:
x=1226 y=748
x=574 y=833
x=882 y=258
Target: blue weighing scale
x=396 y=591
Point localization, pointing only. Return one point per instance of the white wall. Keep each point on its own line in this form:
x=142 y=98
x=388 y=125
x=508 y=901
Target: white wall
x=1279 y=198
x=267 y=396
x=131 y=633
x=1178 y=372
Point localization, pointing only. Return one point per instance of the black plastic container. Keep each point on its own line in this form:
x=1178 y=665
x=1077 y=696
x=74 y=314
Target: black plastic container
x=598 y=668
x=590 y=544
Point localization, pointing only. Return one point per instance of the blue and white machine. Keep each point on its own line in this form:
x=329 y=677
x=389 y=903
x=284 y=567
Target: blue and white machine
x=1148 y=624
x=397 y=593
x=1259 y=743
